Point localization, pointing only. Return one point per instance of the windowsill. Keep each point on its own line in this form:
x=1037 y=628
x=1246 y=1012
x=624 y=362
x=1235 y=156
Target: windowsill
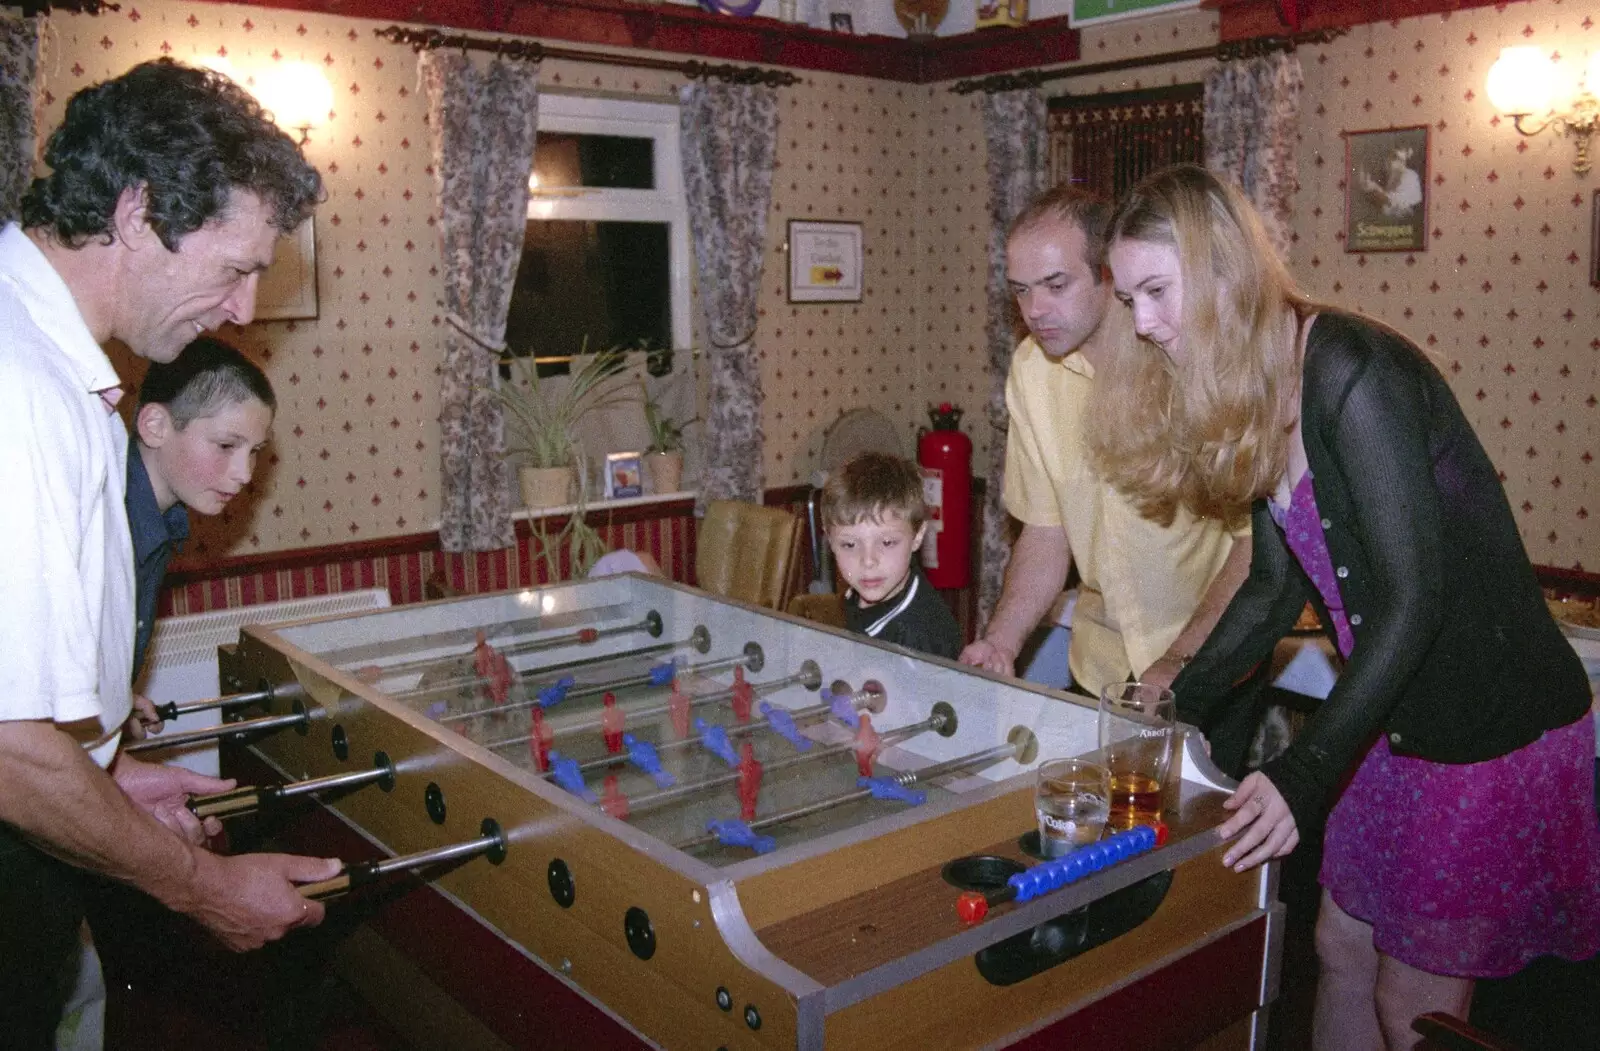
x=526 y=515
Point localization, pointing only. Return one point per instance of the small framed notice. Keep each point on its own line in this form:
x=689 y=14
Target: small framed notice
x=824 y=262
x=624 y=475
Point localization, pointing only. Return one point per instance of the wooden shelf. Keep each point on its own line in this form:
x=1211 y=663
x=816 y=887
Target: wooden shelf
x=684 y=30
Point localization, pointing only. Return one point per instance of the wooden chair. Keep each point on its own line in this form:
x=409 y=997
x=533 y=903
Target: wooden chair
x=747 y=552
x=1443 y=1032
x=826 y=608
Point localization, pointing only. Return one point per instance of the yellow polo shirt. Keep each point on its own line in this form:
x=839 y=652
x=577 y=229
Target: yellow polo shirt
x=1141 y=582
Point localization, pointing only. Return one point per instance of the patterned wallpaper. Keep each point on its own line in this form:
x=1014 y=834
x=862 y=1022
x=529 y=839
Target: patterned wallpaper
x=355 y=444
x=1502 y=290
x=1501 y=297
x=908 y=163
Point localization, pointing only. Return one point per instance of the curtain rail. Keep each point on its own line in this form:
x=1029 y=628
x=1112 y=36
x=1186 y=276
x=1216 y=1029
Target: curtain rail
x=533 y=51
x=1221 y=52
x=30 y=8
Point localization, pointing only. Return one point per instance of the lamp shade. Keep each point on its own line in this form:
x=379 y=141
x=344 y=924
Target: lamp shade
x=1523 y=80
x=297 y=94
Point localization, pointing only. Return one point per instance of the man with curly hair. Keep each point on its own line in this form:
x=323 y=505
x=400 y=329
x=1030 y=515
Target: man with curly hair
x=167 y=191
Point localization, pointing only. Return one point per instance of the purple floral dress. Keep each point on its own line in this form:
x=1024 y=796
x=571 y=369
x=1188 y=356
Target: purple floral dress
x=1472 y=869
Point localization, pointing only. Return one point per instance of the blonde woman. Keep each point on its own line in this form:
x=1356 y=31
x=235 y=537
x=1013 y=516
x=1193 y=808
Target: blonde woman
x=1453 y=762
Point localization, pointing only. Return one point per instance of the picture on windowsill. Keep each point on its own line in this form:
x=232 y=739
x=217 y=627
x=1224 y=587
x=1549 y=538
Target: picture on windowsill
x=1386 y=190
x=624 y=476
x=840 y=22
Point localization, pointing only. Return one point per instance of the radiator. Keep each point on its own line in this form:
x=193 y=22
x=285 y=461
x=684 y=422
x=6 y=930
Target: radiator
x=182 y=662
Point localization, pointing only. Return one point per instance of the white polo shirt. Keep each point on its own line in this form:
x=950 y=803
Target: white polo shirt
x=66 y=558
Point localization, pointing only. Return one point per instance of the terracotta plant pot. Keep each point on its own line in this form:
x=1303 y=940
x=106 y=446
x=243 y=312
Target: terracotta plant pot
x=546 y=486
x=665 y=471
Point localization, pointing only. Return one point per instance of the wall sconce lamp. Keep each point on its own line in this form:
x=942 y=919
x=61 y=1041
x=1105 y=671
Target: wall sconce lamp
x=1522 y=84
x=298 y=95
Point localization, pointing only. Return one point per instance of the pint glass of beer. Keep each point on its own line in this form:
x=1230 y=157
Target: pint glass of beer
x=1137 y=722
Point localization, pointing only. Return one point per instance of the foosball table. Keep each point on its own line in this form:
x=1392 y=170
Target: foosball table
x=633 y=814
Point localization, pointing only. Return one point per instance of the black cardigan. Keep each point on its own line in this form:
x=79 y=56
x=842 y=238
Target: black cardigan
x=1456 y=655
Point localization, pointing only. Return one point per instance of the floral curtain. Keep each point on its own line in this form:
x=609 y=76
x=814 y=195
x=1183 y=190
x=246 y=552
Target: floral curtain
x=1106 y=143
x=19 y=66
x=730 y=135
x=1252 y=115
x=1014 y=127
x=484 y=120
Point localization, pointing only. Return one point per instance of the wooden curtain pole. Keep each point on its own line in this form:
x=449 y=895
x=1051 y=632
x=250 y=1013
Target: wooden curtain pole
x=80 y=7
x=1224 y=52
x=533 y=51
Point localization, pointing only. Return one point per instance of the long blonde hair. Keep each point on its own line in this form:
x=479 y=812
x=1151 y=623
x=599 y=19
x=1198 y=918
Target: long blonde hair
x=1212 y=435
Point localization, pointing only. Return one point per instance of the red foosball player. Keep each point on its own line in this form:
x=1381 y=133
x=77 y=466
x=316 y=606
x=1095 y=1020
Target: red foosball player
x=539 y=741
x=678 y=709
x=612 y=801
x=492 y=665
x=749 y=781
x=611 y=723
x=743 y=695
x=867 y=745
x=480 y=655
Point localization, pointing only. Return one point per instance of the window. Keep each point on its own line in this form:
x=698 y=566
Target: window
x=1108 y=142
x=606 y=259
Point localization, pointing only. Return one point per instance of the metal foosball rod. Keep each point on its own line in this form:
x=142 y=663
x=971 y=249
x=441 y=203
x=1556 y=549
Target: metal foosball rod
x=809 y=676
x=1020 y=745
x=248 y=798
x=941 y=721
x=301 y=716
x=699 y=640
x=786 y=722
x=752 y=658
x=491 y=843
x=650 y=623
x=267 y=694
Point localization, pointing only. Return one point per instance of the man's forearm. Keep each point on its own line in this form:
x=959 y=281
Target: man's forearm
x=1040 y=561
x=54 y=794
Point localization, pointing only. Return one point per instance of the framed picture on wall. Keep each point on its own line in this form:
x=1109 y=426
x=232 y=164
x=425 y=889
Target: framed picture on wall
x=288 y=290
x=1386 y=190
x=1594 y=242
x=824 y=262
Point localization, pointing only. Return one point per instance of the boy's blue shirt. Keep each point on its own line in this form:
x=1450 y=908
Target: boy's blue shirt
x=156 y=535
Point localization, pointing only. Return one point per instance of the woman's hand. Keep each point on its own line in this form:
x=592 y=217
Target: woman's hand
x=1264 y=825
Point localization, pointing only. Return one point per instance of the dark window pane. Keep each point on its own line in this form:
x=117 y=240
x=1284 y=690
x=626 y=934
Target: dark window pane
x=609 y=282
x=608 y=162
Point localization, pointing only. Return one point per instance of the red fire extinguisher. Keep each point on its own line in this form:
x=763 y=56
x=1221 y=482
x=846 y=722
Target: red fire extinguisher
x=946 y=458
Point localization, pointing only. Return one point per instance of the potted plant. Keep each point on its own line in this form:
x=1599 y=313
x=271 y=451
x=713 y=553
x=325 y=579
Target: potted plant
x=540 y=423
x=663 y=461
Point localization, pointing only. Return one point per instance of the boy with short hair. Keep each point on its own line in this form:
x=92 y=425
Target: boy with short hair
x=201 y=420
x=873 y=511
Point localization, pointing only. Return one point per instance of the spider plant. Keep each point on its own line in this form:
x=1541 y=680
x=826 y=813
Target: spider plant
x=540 y=422
x=666 y=433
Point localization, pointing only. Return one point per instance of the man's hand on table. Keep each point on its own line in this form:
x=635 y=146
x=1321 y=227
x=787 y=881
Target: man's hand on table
x=991 y=656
